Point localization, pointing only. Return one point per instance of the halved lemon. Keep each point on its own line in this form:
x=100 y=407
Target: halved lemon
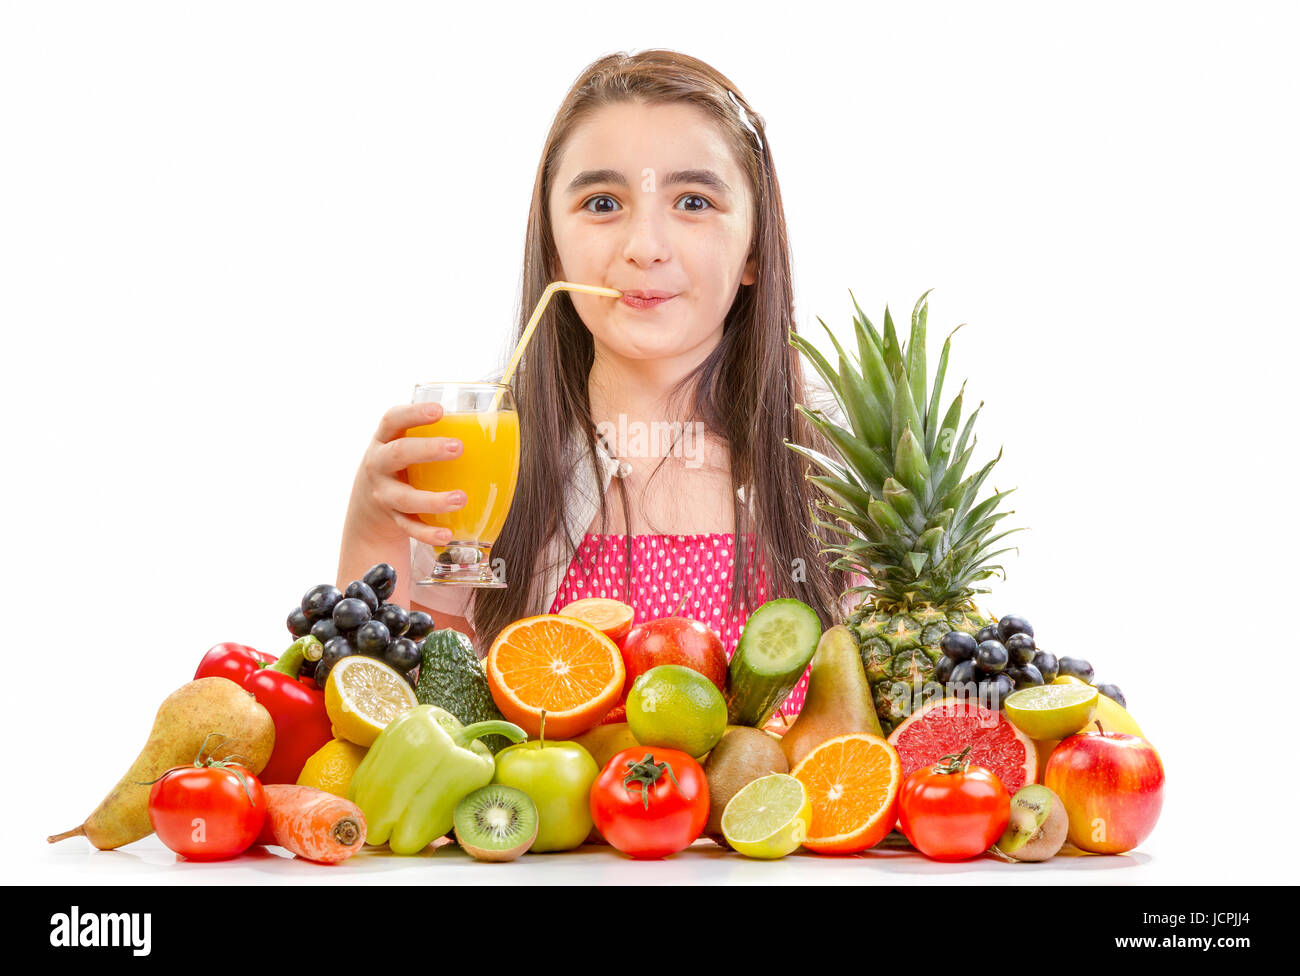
x=768 y=818
x=362 y=695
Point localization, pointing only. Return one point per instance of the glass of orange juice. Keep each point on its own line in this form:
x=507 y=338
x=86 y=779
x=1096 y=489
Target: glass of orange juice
x=483 y=417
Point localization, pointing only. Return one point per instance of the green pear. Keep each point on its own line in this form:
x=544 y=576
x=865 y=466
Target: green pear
x=838 y=700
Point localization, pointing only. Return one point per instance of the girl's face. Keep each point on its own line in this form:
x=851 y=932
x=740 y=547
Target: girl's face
x=649 y=198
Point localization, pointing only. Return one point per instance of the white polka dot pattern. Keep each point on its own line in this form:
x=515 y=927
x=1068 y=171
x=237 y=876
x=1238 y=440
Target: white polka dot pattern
x=706 y=563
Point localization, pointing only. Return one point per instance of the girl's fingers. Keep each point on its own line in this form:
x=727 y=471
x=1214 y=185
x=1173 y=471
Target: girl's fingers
x=398 y=419
x=398 y=454
x=420 y=531
x=403 y=498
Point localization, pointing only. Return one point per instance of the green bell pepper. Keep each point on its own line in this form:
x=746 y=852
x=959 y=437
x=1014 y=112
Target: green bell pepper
x=422 y=764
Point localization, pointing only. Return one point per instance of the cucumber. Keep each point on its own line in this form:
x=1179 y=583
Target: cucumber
x=775 y=647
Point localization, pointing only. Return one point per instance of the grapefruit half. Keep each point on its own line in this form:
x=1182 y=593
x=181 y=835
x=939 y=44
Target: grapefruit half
x=948 y=726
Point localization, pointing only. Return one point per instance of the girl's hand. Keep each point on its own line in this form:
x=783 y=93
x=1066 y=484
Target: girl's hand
x=383 y=505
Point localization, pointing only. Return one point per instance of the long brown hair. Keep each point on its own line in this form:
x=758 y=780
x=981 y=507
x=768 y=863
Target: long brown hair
x=744 y=391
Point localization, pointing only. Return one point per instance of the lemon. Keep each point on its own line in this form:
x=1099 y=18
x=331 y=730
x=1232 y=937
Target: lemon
x=769 y=817
x=1051 y=711
x=330 y=767
x=362 y=695
x=676 y=707
x=1111 y=715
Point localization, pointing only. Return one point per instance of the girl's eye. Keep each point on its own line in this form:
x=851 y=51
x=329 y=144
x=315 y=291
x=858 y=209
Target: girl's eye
x=587 y=204
x=696 y=196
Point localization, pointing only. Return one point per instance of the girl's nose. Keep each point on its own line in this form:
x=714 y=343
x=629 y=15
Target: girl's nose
x=647 y=240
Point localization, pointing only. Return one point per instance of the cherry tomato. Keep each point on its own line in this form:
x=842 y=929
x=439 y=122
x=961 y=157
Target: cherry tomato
x=953 y=811
x=208 y=812
x=649 y=803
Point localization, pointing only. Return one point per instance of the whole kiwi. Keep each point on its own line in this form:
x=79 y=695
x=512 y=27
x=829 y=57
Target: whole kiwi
x=742 y=755
x=496 y=823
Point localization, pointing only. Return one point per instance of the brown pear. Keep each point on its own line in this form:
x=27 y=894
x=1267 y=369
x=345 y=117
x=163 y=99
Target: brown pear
x=838 y=700
x=212 y=710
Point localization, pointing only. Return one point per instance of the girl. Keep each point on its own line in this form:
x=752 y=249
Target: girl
x=656 y=179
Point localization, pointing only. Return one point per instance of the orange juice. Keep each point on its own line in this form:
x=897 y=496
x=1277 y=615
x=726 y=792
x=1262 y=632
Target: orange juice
x=486 y=470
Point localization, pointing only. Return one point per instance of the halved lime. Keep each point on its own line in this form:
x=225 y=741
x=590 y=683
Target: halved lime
x=1051 y=711
x=768 y=818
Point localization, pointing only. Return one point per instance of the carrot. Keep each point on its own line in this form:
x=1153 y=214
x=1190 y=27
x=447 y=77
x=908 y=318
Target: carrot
x=313 y=824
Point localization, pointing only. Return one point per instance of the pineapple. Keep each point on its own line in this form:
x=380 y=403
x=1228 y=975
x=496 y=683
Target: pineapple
x=911 y=519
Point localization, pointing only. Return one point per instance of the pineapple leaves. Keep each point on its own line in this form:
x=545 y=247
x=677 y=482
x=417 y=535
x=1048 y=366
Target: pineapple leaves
x=905 y=504
x=829 y=465
x=864 y=462
x=904 y=414
x=865 y=328
x=941 y=450
x=894 y=497
x=911 y=467
x=932 y=424
x=916 y=356
x=890 y=349
x=868 y=416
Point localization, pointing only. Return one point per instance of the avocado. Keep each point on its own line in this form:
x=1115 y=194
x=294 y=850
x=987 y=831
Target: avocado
x=451 y=677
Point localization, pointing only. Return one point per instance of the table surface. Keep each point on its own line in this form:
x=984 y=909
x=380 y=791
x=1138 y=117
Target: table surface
x=147 y=862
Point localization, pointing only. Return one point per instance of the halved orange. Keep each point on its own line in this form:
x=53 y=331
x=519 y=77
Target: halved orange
x=853 y=783
x=611 y=617
x=557 y=664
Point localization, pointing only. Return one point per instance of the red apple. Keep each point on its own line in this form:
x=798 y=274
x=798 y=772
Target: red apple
x=674 y=640
x=1112 y=785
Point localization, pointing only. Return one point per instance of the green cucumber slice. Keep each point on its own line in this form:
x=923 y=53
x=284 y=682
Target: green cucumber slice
x=775 y=647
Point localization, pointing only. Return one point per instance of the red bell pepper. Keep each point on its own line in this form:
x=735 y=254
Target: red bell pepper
x=297 y=708
x=233 y=661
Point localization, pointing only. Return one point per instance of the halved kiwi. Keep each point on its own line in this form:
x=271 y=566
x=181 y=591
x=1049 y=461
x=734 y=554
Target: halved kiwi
x=496 y=823
x=1038 y=825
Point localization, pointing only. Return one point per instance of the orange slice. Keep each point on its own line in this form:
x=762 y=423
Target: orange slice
x=610 y=617
x=558 y=664
x=853 y=783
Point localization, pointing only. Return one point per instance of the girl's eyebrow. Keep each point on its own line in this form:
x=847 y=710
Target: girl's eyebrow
x=703 y=177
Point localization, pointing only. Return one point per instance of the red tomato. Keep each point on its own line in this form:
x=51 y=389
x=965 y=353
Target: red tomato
x=953 y=811
x=209 y=812
x=649 y=802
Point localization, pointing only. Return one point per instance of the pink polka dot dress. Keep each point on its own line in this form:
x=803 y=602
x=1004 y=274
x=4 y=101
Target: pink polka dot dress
x=664 y=567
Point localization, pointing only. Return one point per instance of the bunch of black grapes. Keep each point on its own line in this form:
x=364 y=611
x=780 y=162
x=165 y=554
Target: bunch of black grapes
x=358 y=620
x=1002 y=658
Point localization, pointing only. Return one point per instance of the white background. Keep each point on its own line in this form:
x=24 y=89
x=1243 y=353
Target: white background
x=232 y=235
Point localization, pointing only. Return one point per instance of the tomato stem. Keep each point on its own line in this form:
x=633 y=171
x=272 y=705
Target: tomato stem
x=957 y=762
x=645 y=774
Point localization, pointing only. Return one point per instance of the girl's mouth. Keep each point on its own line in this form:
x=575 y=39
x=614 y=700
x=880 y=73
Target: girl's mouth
x=633 y=301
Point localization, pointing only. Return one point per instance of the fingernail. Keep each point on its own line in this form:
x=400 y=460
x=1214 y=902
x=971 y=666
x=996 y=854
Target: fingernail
x=431 y=410
x=454 y=447
x=458 y=498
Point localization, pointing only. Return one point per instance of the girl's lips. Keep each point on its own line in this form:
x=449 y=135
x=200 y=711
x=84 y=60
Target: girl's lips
x=632 y=301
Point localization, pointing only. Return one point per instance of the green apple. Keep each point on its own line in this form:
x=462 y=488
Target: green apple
x=558 y=777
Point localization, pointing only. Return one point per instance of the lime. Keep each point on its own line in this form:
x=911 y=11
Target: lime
x=1111 y=715
x=330 y=767
x=1051 y=711
x=676 y=707
x=362 y=695
x=769 y=817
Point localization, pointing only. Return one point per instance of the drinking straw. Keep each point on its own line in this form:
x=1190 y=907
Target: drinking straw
x=551 y=289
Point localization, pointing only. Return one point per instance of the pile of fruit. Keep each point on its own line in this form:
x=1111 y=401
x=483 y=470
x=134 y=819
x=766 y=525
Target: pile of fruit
x=923 y=715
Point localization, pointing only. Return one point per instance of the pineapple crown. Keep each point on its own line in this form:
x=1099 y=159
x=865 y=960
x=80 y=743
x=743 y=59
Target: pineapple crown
x=912 y=520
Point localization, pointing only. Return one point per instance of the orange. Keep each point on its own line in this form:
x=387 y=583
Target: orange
x=853 y=783
x=557 y=664
x=610 y=617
